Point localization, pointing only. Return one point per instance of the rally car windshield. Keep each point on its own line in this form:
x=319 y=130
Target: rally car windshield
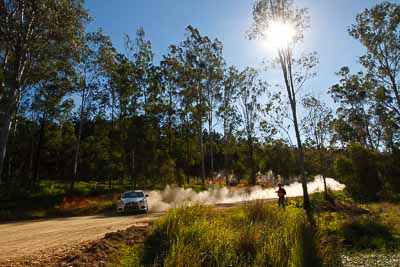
x=132 y=195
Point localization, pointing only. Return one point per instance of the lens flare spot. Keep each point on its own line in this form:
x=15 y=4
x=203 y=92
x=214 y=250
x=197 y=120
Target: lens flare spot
x=279 y=35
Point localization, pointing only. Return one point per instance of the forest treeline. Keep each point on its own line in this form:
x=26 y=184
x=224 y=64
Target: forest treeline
x=73 y=107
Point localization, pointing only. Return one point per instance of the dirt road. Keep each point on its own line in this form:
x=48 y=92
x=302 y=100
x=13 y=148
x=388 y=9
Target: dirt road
x=28 y=238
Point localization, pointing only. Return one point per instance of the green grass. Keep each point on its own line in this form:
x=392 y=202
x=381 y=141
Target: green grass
x=363 y=235
x=130 y=255
x=256 y=234
x=260 y=234
x=360 y=228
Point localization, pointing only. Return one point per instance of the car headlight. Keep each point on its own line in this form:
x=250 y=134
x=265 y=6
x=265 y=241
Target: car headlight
x=120 y=203
x=142 y=201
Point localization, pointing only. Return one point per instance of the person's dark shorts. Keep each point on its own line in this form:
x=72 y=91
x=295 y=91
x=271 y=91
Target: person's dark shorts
x=281 y=202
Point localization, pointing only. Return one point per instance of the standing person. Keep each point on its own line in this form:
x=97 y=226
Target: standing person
x=281 y=195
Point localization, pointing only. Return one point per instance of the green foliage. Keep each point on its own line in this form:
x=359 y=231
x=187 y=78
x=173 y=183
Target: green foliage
x=43 y=38
x=258 y=234
x=391 y=171
x=359 y=171
x=130 y=256
x=167 y=171
x=349 y=229
x=280 y=158
x=47 y=198
x=368 y=234
x=370 y=100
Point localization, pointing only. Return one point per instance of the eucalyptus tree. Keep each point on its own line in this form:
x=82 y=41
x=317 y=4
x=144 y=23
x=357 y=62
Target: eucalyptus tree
x=194 y=91
x=228 y=112
x=276 y=121
x=141 y=55
x=146 y=81
x=49 y=103
x=378 y=29
x=316 y=125
x=250 y=91
x=282 y=25
x=170 y=69
x=90 y=74
x=124 y=103
x=37 y=36
x=179 y=121
x=199 y=58
x=180 y=82
x=357 y=119
x=214 y=72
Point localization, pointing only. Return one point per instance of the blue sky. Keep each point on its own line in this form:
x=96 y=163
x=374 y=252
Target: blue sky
x=164 y=22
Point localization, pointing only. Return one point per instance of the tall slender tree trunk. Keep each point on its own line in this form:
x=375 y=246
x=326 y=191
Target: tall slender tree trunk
x=31 y=158
x=188 y=152
x=226 y=137
x=11 y=141
x=306 y=199
x=203 y=168
x=38 y=150
x=78 y=144
x=170 y=113
x=187 y=161
x=76 y=157
x=112 y=130
x=123 y=132
x=285 y=61
x=226 y=153
x=211 y=136
x=8 y=109
x=226 y=173
x=253 y=179
x=395 y=89
x=322 y=171
x=200 y=105
x=133 y=170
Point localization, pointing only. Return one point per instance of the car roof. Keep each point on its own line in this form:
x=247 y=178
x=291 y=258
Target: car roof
x=136 y=191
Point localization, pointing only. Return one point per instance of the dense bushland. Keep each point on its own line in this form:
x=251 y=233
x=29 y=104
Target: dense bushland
x=368 y=175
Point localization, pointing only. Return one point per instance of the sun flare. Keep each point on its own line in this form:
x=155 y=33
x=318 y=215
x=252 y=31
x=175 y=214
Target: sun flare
x=279 y=35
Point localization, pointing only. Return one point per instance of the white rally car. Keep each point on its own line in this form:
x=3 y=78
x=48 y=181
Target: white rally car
x=133 y=201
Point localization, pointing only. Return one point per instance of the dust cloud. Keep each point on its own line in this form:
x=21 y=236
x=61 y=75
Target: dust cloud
x=172 y=197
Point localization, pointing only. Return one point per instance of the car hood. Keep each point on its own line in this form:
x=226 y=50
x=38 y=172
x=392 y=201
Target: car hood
x=129 y=200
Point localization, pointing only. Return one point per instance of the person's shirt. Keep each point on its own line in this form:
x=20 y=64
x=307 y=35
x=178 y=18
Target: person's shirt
x=281 y=192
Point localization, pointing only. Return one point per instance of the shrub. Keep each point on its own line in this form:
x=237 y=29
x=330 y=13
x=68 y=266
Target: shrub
x=391 y=171
x=358 y=169
x=368 y=234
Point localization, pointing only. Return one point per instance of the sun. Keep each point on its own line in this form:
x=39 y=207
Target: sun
x=279 y=35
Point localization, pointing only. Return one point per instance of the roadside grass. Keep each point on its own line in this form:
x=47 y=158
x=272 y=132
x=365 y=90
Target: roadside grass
x=261 y=234
x=365 y=234
x=257 y=234
x=360 y=227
